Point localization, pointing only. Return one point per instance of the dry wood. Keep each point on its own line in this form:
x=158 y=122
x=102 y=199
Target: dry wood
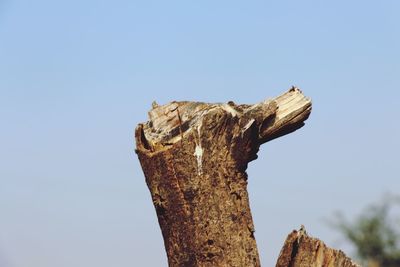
x=194 y=156
x=301 y=250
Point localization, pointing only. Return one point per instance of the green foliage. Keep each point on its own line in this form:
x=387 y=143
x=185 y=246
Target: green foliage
x=374 y=235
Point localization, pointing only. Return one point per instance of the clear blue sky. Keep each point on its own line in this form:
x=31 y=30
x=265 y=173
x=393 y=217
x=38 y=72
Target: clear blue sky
x=77 y=76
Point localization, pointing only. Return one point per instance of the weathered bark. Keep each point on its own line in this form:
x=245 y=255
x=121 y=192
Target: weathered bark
x=194 y=157
x=301 y=250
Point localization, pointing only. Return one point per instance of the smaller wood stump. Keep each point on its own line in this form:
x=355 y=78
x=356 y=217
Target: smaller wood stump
x=301 y=250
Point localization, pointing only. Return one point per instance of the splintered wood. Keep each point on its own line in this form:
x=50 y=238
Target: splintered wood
x=194 y=156
x=301 y=250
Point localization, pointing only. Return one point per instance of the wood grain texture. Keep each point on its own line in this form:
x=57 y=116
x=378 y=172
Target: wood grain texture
x=194 y=156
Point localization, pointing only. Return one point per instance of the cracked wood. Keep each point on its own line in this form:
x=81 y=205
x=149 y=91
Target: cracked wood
x=194 y=156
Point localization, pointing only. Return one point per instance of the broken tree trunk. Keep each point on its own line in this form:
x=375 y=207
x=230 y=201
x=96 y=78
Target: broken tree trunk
x=301 y=250
x=194 y=156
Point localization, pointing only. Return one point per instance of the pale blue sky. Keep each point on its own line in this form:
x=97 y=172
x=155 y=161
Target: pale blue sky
x=77 y=76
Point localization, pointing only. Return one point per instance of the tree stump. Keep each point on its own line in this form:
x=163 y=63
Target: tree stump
x=194 y=156
x=301 y=250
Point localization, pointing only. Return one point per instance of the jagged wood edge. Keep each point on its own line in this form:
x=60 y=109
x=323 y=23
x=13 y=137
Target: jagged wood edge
x=300 y=250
